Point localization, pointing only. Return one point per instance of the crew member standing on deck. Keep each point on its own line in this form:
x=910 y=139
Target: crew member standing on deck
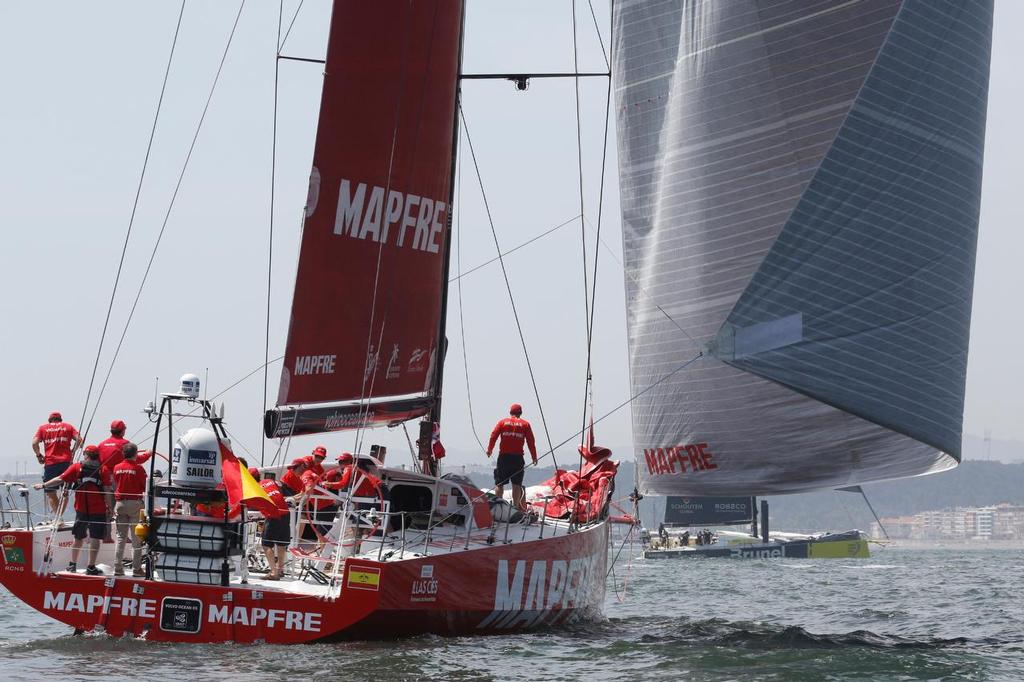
x=129 y=487
x=514 y=432
x=59 y=440
x=277 y=529
x=92 y=505
x=110 y=449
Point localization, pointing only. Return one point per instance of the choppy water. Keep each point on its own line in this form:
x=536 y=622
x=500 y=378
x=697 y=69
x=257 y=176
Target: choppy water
x=902 y=615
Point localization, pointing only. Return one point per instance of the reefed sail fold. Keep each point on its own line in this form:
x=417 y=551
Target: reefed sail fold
x=800 y=187
x=366 y=311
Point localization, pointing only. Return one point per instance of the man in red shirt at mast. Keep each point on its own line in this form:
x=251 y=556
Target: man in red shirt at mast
x=129 y=487
x=59 y=440
x=514 y=432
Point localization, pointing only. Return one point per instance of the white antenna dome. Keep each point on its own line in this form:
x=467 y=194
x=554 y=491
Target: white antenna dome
x=190 y=385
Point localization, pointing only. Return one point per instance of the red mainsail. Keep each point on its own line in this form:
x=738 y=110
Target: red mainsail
x=367 y=304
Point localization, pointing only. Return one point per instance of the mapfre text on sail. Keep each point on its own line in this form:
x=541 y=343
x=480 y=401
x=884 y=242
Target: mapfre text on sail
x=405 y=220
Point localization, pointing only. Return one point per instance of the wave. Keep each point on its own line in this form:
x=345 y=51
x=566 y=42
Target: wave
x=766 y=636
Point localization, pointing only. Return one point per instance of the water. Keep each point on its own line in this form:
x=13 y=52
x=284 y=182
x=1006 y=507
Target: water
x=901 y=615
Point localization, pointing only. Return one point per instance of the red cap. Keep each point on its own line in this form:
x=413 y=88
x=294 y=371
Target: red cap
x=254 y=472
x=55 y=415
x=308 y=459
x=117 y=425
x=515 y=409
x=297 y=462
x=91 y=450
x=345 y=457
x=319 y=451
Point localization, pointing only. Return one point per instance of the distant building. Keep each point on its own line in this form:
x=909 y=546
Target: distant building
x=1000 y=522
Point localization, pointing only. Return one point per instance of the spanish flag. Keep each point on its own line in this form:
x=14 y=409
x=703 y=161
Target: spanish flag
x=241 y=487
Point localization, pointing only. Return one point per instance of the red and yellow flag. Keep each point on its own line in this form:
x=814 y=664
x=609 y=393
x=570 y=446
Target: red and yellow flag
x=241 y=487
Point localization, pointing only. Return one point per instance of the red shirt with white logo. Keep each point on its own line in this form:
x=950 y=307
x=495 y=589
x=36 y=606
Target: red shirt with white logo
x=129 y=481
x=276 y=496
x=513 y=432
x=56 y=438
x=111 y=453
x=89 y=498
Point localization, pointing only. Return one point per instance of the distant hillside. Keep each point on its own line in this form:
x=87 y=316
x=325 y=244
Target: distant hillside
x=972 y=484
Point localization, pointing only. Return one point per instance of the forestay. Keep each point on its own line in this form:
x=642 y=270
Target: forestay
x=364 y=334
x=800 y=187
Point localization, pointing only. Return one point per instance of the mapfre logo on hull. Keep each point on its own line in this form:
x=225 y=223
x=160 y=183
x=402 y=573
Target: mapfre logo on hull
x=527 y=593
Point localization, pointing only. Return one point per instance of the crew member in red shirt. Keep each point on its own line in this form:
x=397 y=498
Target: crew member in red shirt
x=277 y=531
x=92 y=505
x=291 y=482
x=59 y=440
x=110 y=449
x=316 y=465
x=513 y=431
x=129 y=487
x=356 y=478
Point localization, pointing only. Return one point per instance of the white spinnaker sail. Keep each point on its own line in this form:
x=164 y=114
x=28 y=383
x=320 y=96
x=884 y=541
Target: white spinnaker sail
x=800 y=187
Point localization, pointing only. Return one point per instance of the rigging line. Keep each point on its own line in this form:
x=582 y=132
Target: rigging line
x=557 y=227
x=167 y=215
x=579 y=166
x=587 y=302
x=600 y=215
x=458 y=278
x=597 y=29
x=131 y=221
x=282 y=41
x=270 y=238
x=600 y=419
x=508 y=286
x=642 y=290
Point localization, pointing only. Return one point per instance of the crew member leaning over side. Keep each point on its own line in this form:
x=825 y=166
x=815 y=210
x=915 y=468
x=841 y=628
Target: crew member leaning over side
x=514 y=432
x=92 y=505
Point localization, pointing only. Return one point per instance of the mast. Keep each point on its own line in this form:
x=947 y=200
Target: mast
x=442 y=343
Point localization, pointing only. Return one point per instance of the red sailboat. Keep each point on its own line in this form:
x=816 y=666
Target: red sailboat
x=365 y=347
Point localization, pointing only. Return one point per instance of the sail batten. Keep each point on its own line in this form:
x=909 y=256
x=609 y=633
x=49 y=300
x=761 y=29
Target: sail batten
x=800 y=189
x=366 y=311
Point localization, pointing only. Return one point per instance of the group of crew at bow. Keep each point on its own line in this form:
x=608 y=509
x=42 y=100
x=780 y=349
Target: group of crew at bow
x=109 y=482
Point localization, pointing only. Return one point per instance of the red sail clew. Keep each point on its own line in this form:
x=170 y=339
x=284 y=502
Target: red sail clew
x=367 y=302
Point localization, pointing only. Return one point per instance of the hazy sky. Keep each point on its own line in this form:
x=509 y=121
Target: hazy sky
x=79 y=88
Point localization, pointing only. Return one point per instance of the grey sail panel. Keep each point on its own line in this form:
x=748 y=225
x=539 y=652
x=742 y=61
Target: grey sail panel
x=728 y=114
x=878 y=256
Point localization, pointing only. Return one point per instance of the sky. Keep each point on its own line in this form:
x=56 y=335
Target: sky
x=78 y=92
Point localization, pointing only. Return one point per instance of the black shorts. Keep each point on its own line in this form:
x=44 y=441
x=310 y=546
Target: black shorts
x=277 y=531
x=510 y=469
x=91 y=525
x=53 y=471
